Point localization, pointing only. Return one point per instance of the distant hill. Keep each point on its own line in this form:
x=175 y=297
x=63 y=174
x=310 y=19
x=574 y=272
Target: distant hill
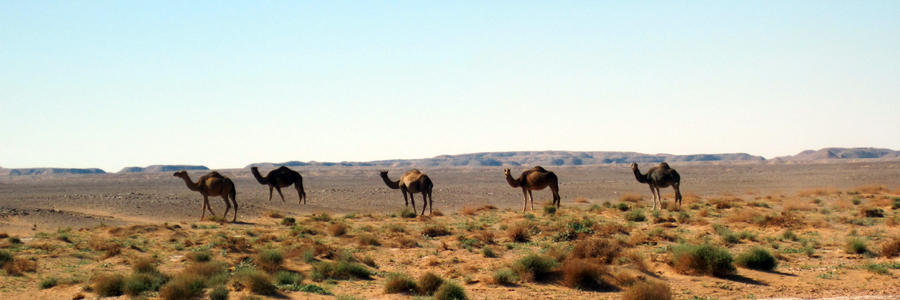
x=843 y=153
x=528 y=158
x=49 y=171
x=163 y=168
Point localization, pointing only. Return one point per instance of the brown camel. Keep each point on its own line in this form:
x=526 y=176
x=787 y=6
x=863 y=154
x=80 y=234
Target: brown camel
x=212 y=184
x=535 y=179
x=279 y=178
x=661 y=176
x=413 y=182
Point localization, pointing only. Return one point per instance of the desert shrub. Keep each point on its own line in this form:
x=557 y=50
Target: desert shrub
x=137 y=283
x=309 y=288
x=631 y=197
x=219 y=293
x=856 y=246
x=339 y=270
x=872 y=212
x=488 y=252
x=399 y=283
x=5 y=258
x=407 y=212
x=583 y=274
x=873 y=189
x=366 y=239
x=595 y=208
x=288 y=221
x=702 y=259
x=635 y=216
x=519 y=232
x=607 y=204
x=183 y=287
x=757 y=259
x=429 y=283
x=622 y=207
x=321 y=217
x=599 y=250
x=15 y=240
x=720 y=203
x=891 y=248
x=274 y=214
x=285 y=277
x=549 y=210
x=504 y=276
x=533 y=267
x=205 y=269
x=643 y=290
x=109 y=248
x=200 y=256
x=485 y=236
x=728 y=236
x=269 y=260
x=337 y=229
x=48 y=282
x=256 y=281
x=108 y=285
x=856 y=201
x=434 y=230
x=450 y=291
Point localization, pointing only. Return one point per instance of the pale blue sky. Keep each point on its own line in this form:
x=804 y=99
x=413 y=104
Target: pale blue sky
x=224 y=84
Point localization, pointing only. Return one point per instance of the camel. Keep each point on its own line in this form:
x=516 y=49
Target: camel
x=212 y=184
x=413 y=182
x=661 y=176
x=279 y=178
x=535 y=179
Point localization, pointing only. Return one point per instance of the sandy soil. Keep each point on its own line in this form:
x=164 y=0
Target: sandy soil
x=37 y=208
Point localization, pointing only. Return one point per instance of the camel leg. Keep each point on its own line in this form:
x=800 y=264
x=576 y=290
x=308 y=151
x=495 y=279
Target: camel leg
x=657 y=204
x=233 y=200
x=525 y=206
x=556 y=198
x=207 y=207
x=404 y=198
x=300 y=194
x=270 y=192
x=653 y=193
x=279 y=193
x=227 y=205
x=677 y=193
x=412 y=198
x=532 y=199
x=424 y=202
x=430 y=203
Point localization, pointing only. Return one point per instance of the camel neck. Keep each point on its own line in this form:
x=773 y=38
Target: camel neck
x=190 y=184
x=391 y=184
x=640 y=177
x=258 y=176
x=513 y=182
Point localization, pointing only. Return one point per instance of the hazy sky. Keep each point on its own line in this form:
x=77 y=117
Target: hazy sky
x=223 y=84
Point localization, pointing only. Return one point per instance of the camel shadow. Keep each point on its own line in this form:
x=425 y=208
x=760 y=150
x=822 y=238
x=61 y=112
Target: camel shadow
x=743 y=279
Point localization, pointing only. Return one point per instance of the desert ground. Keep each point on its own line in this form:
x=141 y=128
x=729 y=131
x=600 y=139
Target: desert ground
x=66 y=236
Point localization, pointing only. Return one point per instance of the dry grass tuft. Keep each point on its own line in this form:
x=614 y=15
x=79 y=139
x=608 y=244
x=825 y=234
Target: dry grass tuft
x=800 y=206
x=819 y=191
x=631 y=197
x=598 y=250
x=519 y=232
x=435 y=230
x=467 y=210
x=109 y=248
x=643 y=290
x=274 y=214
x=366 y=239
x=581 y=200
x=873 y=189
x=583 y=274
x=337 y=229
x=891 y=248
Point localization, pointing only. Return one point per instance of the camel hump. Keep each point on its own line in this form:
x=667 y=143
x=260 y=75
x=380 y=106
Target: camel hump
x=540 y=169
x=215 y=174
x=664 y=165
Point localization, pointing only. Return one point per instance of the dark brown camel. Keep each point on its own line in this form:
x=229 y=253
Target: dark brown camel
x=413 y=182
x=279 y=178
x=535 y=179
x=212 y=184
x=661 y=176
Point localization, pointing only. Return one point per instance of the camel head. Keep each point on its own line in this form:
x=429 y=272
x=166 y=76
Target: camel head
x=634 y=166
x=180 y=174
x=506 y=172
x=384 y=173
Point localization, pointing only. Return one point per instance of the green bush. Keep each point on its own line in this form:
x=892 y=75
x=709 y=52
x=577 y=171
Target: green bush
x=47 y=283
x=450 y=291
x=757 y=259
x=857 y=246
x=285 y=277
x=138 y=283
x=549 y=210
x=201 y=256
x=219 y=293
x=702 y=259
x=505 y=276
x=339 y=270
x=288 y=221
x=407 y=212
x=533 y=266
x=399 y=283
x=642 y=290
x=269 y=260
x=5 y=257
x=635 y=216
x=622 y=207
x=488 y=252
